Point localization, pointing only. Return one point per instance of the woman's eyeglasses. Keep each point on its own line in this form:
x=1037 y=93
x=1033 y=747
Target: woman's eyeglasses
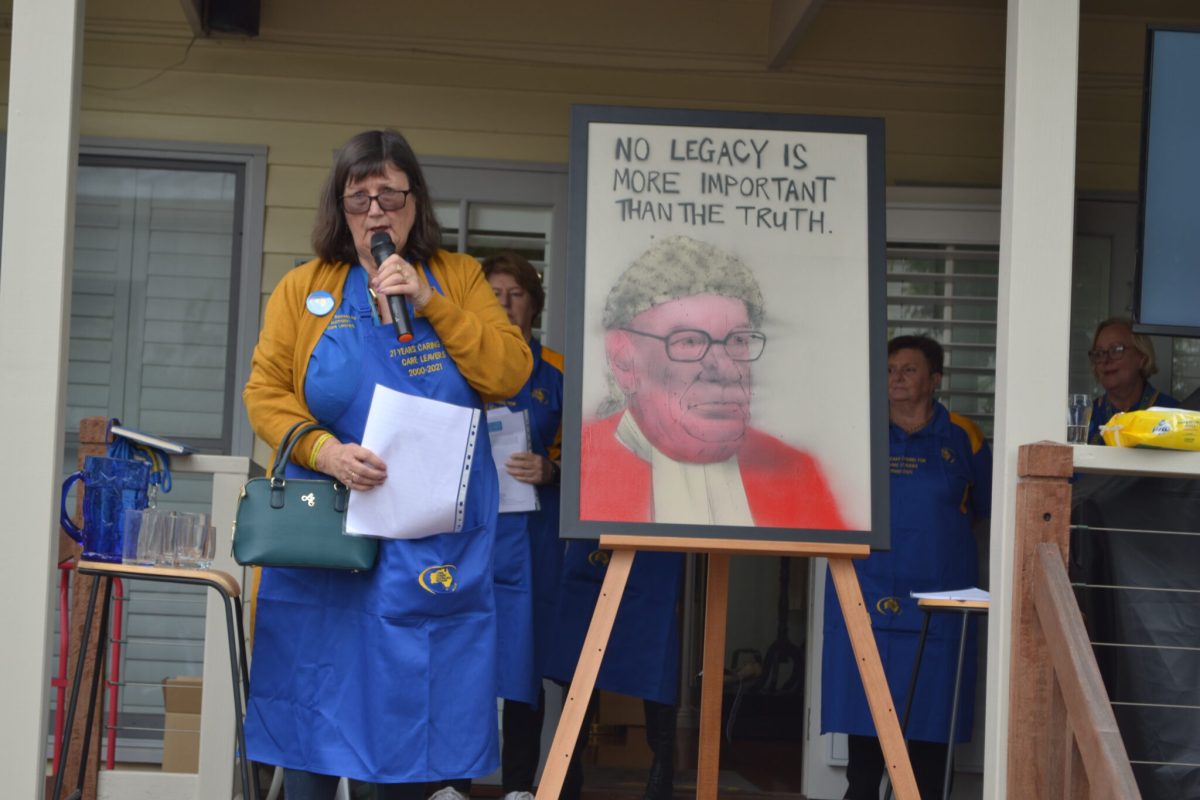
x=389 y=200
x=1114 y=353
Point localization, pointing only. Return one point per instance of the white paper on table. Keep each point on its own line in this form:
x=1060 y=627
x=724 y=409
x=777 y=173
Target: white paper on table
x=971 y=594
x=509 y=433
x=428 y=446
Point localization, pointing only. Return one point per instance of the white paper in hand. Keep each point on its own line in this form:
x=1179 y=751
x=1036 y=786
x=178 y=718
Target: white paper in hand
x=509 y=434
x=428 y=446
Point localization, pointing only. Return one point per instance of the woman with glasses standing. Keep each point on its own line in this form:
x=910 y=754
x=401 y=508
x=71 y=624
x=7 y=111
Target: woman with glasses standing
x=1122 y=362
x=382 y=676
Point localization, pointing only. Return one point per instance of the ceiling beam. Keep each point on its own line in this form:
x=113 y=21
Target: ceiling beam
x=790 y=20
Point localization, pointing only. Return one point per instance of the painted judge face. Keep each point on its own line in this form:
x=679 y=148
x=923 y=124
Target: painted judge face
x=688 y=392
x=398 y=222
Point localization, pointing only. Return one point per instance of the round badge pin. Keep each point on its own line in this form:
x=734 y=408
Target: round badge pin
x=319 y=303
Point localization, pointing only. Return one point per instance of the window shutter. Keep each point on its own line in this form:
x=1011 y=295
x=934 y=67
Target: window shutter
x=948 y=292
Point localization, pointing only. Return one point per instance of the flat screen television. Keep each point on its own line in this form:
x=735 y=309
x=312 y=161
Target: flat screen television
x=1167 y=284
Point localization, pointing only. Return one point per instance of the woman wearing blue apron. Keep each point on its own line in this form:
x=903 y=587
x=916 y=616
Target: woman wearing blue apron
x=941 y=475
x=383 y=676
x=528 y=552
x=642 y=655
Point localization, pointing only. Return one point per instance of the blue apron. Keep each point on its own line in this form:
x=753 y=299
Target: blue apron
x=642 y=658
x=939 y=485
x=383 y=676
x=528 y=552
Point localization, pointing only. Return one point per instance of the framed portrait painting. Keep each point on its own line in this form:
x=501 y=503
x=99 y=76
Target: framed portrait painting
x=726 y=327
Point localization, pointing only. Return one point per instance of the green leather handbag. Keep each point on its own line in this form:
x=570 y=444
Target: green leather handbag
x=297 y=522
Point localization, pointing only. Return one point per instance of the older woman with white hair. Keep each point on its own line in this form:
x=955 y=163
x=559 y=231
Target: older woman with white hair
x=1122 y=362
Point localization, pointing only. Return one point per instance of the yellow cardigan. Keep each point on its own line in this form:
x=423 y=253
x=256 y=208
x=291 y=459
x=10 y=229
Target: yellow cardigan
x=488 y=350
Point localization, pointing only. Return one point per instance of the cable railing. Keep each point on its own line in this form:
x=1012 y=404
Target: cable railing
x=1135 y=570
x=1124 y=523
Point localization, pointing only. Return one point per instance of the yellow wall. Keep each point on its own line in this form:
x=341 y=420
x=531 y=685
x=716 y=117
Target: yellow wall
x=497 y=80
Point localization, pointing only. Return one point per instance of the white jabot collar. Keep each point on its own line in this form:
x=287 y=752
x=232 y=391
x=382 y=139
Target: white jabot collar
x=701 y=494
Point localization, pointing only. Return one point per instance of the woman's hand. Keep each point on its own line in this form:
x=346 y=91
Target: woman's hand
x=351 y=464
x=395 y=276
x=530 y=468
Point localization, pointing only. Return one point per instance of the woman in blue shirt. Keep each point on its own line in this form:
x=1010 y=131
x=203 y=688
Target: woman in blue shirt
x=1122 y=362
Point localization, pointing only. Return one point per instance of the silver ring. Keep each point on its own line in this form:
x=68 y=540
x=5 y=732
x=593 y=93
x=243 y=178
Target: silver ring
x=352 y=477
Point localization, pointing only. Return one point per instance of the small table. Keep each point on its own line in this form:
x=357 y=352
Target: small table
x=229 y=590
x=966 y=608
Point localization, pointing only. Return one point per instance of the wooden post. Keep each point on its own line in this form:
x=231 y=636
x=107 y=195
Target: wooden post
x=1043 y=510
x=93 y=441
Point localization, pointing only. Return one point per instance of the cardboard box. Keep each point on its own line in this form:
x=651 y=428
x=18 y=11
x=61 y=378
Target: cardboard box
x=619 y=709
x=181 y=737
x=630 y=753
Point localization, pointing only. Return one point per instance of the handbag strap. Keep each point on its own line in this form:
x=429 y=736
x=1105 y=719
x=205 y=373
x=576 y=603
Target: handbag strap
x=284 y=451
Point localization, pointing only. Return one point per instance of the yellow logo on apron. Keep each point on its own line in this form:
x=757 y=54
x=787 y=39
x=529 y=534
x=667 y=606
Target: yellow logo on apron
x=888 y=605
x=598 y=558
x=439 y=579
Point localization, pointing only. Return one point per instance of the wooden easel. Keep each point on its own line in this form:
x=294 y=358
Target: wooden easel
x=845 y=580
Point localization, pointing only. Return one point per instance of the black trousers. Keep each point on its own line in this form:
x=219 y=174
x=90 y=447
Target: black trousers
x=865 y=768
x=660 y=737
x=301 y=785
x=521 y=746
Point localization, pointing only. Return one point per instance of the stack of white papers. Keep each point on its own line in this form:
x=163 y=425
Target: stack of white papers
x=971 y=594
x=509 y=434
x=428 y=446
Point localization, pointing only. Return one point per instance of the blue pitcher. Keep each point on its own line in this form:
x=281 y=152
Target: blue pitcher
x=111 y=486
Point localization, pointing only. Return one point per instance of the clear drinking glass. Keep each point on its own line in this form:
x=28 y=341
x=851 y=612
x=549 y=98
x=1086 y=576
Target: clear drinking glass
x=132 y=524
x=156 y=540
x=149 y=539
x=1079 y=412
x=209 y=548
x=192 y=541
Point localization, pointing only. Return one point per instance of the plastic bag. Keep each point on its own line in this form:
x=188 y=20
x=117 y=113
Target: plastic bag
x=1165 y=428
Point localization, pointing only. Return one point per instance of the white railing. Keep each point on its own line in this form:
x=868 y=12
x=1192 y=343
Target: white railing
x=215 y=778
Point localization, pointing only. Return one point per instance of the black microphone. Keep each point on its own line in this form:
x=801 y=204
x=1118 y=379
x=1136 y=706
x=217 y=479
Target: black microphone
x=381 y=250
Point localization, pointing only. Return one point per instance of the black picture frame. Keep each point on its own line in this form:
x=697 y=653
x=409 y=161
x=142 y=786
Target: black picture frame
x=1167 y=268
x=853 y=156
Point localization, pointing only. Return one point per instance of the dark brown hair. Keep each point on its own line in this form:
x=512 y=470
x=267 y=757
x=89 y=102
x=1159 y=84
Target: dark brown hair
x=928 y=347
x=366 y=155
x=509 y=263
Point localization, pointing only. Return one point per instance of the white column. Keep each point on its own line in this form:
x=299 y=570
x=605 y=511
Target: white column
x=1036 y=235
x=39 y=199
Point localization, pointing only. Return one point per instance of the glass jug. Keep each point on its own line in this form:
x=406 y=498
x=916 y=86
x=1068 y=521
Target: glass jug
x=110 y=487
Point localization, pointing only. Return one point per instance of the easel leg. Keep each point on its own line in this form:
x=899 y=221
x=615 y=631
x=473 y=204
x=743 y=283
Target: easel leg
x=708 y=763
x=879 y=697
x=559 y=757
